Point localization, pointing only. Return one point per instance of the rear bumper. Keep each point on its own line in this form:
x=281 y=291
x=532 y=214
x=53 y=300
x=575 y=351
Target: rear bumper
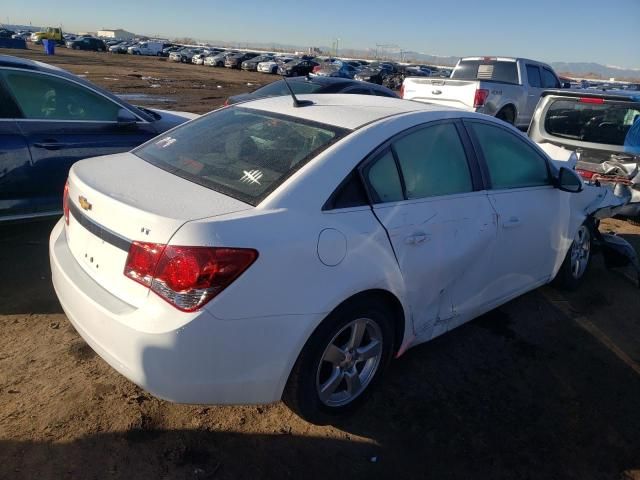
x=202 y=360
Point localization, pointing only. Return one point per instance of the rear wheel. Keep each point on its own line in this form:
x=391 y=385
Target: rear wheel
x=507 y=114
x=342 y=361
x=576 y=263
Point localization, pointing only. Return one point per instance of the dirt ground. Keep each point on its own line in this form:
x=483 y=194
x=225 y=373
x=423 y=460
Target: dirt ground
x=152 y=81
x=545 y=387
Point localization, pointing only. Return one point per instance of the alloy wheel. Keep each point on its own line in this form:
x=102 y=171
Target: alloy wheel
x=580 y=252
x=349 y=362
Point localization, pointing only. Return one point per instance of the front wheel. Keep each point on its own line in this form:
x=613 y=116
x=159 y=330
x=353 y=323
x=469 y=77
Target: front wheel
x=576 y=263
x=342 y=361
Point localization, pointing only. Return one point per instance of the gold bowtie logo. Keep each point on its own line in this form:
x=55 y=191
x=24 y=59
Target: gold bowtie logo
x=84 y=203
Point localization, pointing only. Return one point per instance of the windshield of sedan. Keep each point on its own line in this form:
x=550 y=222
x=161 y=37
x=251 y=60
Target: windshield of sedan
x=240 y=152
x=609 y=123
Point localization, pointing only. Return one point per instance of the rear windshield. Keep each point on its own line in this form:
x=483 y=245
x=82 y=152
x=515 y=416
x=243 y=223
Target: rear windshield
x=494 y=70
x=240 y=152
x=609 y=123
x=279 y=88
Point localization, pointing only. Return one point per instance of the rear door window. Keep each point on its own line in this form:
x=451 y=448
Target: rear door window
x=8 y=108
x=549 y=79
x=251 y=153
x=533 y=74
x=383 y=179
x=511 y=162
x=47 y=97
x=433 y=162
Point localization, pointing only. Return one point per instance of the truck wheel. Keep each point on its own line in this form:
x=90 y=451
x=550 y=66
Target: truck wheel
x=507 y=114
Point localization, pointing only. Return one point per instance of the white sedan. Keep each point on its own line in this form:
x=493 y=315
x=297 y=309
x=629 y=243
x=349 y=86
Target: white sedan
x=298 y=250
x=271 y=66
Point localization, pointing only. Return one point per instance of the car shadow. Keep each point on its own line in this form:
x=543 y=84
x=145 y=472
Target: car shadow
x=188 y=454
x=522 y=392
x=25 y=278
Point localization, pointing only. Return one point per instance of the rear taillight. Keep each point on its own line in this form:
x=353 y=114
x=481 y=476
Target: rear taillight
x=480 y=97
x=186 y=277
x=316 y=68
x=402 y=91
x=65 y=202
x=226 y=103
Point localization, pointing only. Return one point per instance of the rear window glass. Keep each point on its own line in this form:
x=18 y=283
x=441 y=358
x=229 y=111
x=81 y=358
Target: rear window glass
x=495 y=70
x=279 y=88
x=240 y=152
x=613 y=123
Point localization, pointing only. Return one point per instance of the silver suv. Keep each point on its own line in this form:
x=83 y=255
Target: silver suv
x=602 y=127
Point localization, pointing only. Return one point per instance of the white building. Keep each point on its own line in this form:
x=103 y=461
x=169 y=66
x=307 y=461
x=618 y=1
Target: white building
x=116 y=33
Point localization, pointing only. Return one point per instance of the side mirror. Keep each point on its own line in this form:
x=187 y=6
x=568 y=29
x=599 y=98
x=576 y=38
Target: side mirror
x=569 y=181
x=566 y=85
x=126 y=118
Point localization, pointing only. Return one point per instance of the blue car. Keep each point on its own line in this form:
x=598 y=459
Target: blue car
x=50 y=119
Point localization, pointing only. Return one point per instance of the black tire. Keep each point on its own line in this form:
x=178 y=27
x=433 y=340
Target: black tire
x=507 y=114
x=301 y=393
x=570 y=277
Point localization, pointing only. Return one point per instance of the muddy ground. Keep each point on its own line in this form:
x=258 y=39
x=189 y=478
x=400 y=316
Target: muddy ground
x=153 y=81
x=545 y=387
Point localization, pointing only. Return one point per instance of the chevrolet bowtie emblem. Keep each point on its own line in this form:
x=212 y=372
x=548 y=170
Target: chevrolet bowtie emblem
x=84 y=203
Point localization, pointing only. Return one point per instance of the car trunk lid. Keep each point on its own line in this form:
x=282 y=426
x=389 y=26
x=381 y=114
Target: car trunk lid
x=117 y=199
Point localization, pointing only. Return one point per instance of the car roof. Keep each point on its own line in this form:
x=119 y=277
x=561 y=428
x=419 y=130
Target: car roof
x=16 y=62
x=604 y=94
x=342 y=110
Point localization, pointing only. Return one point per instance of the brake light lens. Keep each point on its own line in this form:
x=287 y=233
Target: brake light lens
x=65 y=202
x=186 y=277
x=598 y=101
x=480 y=97
x=402 y=91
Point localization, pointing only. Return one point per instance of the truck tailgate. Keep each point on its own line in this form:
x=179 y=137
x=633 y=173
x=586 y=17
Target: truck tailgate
x=452 y=93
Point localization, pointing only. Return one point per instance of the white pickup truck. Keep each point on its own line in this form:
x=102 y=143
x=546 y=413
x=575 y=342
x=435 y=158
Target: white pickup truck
x=504 y=87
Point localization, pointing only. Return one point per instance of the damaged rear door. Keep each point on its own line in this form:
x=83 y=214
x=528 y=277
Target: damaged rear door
x=428 y=196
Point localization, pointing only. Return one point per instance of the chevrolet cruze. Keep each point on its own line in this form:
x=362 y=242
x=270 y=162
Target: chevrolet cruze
x=290 y=249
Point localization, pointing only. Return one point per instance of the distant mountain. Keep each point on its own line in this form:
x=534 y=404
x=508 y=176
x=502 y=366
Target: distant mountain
x=596 y=70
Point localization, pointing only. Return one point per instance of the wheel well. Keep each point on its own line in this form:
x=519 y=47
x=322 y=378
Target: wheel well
x=394 y=304
x=510 y=107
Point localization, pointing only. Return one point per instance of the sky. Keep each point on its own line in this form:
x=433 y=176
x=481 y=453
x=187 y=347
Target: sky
x=599 y=31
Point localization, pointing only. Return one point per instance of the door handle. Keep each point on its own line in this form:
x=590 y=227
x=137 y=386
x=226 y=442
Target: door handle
x=511 y=223
x=416 y=238
x=49 y=145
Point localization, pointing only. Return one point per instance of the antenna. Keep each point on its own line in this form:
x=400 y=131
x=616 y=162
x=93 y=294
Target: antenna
x=296 y=103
